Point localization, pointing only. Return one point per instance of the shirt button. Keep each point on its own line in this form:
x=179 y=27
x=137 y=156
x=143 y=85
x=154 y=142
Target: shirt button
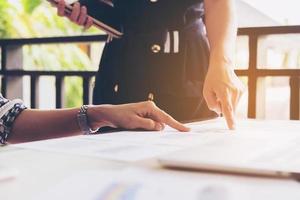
x=153 y=1
x=151 y=97
x=116 y=88
x=155 y=48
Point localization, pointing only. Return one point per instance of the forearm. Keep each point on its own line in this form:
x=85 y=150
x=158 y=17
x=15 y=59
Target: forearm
x=221 y=29
x=33 y=125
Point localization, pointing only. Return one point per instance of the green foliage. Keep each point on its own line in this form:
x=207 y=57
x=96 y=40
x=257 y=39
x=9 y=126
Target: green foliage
x=36 y=18
x=5 y=24
x=30 y=5
x=73 y=85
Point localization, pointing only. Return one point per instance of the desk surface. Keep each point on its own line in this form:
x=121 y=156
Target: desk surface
x=42 y=170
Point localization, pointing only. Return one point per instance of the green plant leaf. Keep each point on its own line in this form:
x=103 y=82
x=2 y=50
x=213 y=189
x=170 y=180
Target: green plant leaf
x=30 y=5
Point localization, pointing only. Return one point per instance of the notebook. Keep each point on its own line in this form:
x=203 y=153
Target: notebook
x=102 y=12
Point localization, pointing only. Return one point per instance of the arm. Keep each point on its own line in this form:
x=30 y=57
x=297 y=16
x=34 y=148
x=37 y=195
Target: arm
x=222 y=88
x=33 y=125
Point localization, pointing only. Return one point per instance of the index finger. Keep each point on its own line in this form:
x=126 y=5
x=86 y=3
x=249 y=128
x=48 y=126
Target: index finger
x=165 y=118
x=227 y=110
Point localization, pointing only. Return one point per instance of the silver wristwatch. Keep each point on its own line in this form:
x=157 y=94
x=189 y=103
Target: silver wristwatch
x=82 y=119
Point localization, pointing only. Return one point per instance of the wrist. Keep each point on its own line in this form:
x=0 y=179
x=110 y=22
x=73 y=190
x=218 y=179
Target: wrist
x=222 y=60
x=97 y=116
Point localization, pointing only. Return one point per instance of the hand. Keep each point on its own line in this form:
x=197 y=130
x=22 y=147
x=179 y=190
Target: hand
x=222 y=91
x=78 y=16
x=144 y=115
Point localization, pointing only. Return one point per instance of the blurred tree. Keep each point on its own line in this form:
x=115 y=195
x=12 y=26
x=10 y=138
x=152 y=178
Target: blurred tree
x=36 y=18
x=5 y=25
x=30 y=5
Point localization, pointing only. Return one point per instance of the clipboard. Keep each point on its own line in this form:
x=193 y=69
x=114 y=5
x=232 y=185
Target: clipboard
x=101 y=12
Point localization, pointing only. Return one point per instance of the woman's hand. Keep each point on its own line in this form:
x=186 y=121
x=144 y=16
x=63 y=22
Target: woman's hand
x=144 y=115
x=222 y=91
x=222 y=88
x=78 y=15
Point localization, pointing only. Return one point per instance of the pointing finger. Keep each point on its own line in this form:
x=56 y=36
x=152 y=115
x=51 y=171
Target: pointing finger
x=227 y=110
x=163 y=117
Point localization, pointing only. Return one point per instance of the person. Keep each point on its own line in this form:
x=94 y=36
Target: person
x=18 y=124
x=177 y=53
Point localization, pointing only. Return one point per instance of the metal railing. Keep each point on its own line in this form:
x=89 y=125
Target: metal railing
x=34 y=75
x=253 y=72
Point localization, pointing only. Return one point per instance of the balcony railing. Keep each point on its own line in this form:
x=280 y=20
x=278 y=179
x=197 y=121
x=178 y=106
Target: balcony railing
x=59 y=76
x=254 y=72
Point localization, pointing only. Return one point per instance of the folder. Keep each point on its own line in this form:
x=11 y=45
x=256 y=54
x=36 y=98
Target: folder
x=103 y=15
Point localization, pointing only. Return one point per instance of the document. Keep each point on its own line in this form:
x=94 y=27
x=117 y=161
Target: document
x=105 y=149
x=143 y=184
x=128 y=146
x=268 y=148
x=261 y=141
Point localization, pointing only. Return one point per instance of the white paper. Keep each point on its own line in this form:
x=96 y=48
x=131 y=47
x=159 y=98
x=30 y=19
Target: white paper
x=137 y=184
x=270 y=145
x=276 y=137
x=7 y=173
x=105 y=149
